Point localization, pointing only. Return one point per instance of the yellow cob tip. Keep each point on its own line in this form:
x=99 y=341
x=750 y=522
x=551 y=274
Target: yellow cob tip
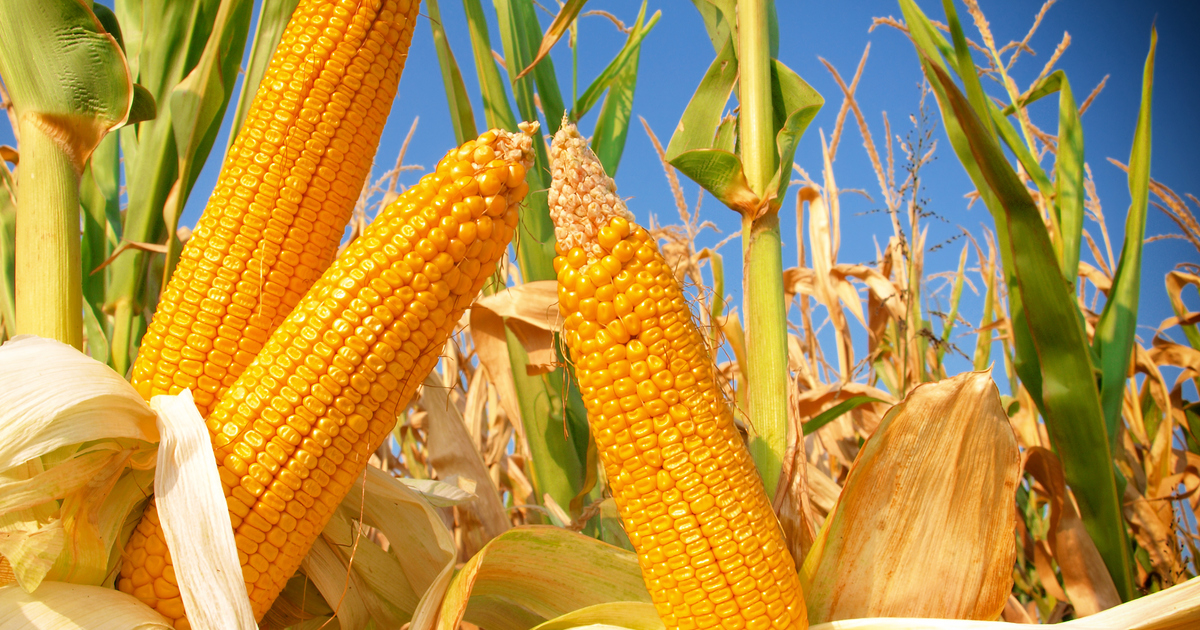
x=710 y=548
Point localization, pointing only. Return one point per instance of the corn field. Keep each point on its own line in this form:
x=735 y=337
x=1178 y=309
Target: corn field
x=491 y=392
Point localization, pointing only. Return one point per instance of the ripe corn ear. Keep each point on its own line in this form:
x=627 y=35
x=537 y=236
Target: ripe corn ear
x=297 y=428
x=710 y=548
x=283 y=197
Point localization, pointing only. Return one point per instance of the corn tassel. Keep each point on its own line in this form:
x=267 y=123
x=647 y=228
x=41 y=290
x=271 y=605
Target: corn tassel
x=297 y=428
x=283 y=198
x=710 y=548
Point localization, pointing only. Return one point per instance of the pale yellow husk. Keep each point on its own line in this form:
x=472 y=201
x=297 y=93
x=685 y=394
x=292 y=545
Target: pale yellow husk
x=195 y=519
x=924 y=526
x=77 y=444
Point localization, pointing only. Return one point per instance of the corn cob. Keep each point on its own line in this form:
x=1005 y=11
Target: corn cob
x=710 y=549
x=274 y=221
x=297 y=428
x=283 y=198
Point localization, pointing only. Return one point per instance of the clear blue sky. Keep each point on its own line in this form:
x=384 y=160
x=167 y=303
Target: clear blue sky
x=1108 y=37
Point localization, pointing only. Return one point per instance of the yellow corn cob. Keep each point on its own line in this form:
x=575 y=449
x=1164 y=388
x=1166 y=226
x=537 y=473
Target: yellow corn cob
x=710 y=548
x=297 y=428
x=284 y=195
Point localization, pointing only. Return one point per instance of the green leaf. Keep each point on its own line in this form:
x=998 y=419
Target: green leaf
x=562 y=21
x=612 y=125
x=63 y=69
x=1118 y=323
x=966 y=66
x=720 y=173
x=461 y=116
x=698 y=125
x=8 y=226
x=629 y=52
x=1070 y=400
x=496 y=109
x=932 y=47
x=543 y=72
x=837 y=411
x=273 y=17
x=795 y=104
x=1068 y=181
x=714 y=22
x=1048 y=85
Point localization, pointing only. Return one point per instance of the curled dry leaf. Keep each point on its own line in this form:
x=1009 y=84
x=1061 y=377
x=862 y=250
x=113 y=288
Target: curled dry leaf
x=1085 y=578
x=922 y=500
x=532 y=312
x=452 y=452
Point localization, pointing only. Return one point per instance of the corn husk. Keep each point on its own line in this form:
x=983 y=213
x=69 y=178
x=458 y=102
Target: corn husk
x=925 y=525
x=195 y=519
x=62 y=606
x=77 y=444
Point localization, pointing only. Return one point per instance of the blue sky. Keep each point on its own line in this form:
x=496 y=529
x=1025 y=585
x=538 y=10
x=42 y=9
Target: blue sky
x=1109 y=37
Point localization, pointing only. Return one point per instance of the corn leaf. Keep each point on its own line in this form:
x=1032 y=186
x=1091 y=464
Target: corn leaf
x=461 y=116
x=1070 y=400
x=420 y=542
x=496 y=108
x=63 y=69
x=273 y=17
x=534 y=574
x=62 y=606
x=1048 y=85
x=629 y=52
x=948 y=448
x=1068 y=182
x=562 y=21
x=933 y=48
x=63 y=505
x=1118 y=323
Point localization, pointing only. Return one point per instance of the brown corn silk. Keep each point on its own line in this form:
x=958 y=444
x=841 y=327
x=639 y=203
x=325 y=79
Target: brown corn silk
x=710 y=548
x=295 y=431
x=924 y=526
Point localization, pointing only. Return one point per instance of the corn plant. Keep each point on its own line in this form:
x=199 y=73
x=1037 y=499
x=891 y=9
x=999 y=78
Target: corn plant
x=380 y=458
